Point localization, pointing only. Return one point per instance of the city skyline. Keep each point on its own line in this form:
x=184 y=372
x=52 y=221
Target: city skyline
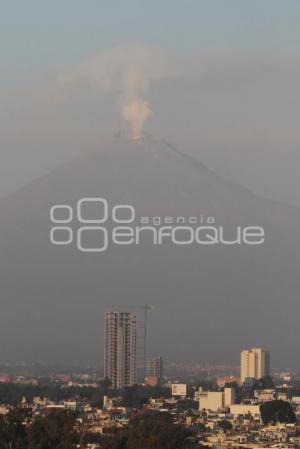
x=149 y=224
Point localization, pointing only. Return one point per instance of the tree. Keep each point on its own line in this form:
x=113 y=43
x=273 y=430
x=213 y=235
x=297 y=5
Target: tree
x=225 y=425
x=139 y=395
x=12 y=430
x=157 y=431
x=115 y=441
x=201 y=427
x=277 y=411
x=53 y=431
x=152 y=430
x=187 y=404
x=267 y=382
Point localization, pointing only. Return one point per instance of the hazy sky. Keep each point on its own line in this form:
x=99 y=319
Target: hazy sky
x=219 y=80
x=230 y=94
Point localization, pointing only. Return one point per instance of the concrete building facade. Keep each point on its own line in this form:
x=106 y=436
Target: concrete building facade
x=154 y=367
x=216 y=400
x=120 y=349
x=255 y=363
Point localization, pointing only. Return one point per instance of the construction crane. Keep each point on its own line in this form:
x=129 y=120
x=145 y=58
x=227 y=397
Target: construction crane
x=146 y=308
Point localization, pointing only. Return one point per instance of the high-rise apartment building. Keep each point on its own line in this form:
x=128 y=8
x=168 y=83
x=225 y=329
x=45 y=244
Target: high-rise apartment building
x=255 y=363
x=120 y=348
x=154 y=367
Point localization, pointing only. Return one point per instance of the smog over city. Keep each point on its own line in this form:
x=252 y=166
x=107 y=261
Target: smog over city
x=189 y=134
x=149 y=224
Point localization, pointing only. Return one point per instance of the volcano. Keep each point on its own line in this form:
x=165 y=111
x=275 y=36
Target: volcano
x=211 y=301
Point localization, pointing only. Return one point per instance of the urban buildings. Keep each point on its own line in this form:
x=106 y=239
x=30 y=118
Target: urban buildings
x=120 y=349
x=154 y=370
x=255 y=364
x=179 y=390
x=216 y=400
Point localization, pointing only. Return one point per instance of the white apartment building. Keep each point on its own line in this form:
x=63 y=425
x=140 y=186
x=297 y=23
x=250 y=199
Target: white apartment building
x=255 y=363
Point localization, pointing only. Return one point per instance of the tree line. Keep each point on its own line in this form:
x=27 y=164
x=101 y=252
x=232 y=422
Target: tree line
x=59 y=430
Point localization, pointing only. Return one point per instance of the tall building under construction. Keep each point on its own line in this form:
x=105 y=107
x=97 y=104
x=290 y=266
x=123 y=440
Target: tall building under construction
x=120 y=351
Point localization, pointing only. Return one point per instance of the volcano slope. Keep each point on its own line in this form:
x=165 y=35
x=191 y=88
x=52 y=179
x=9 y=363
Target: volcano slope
x=211 y=300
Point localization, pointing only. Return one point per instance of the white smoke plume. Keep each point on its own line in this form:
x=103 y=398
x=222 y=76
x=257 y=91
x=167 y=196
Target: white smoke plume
x=135 y=109
x=136 y=112
x=128 y=70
